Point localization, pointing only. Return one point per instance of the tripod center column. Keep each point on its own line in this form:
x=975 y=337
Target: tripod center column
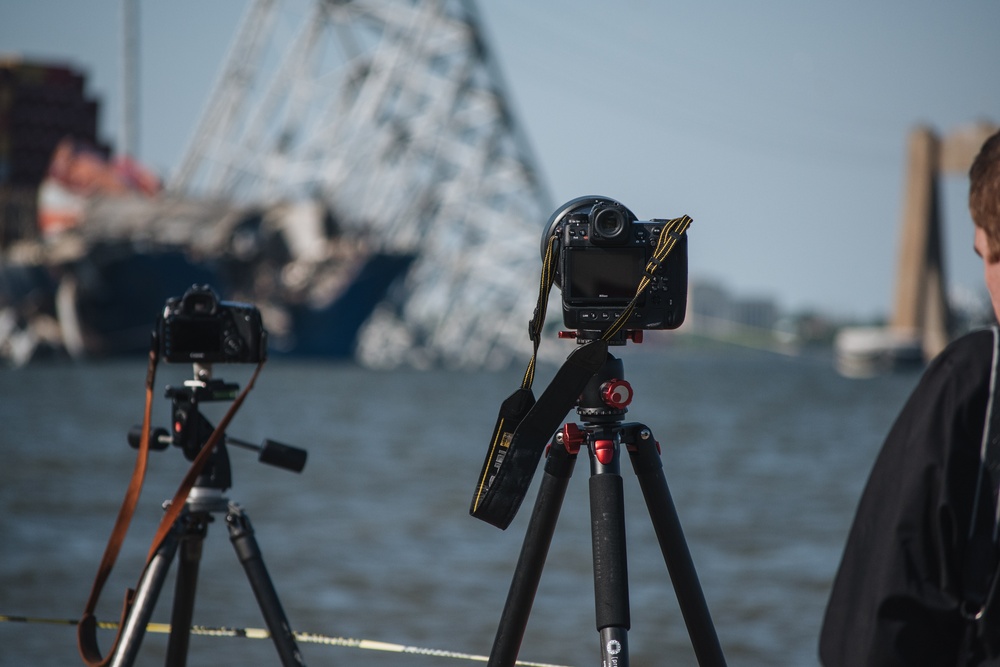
x=607 y=521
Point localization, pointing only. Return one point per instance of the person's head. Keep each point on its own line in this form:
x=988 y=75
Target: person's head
x=984 y=206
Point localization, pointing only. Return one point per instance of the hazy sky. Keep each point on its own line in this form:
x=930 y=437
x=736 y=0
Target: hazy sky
x=780 y=127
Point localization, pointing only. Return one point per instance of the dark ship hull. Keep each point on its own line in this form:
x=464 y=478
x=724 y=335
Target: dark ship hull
x=97 y=291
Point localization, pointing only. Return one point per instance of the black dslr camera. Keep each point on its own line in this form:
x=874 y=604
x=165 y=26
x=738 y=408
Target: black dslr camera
x=603 y=253
x=197 y=327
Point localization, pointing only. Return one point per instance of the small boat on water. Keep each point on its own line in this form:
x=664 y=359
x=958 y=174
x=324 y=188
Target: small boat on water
x=868 y=351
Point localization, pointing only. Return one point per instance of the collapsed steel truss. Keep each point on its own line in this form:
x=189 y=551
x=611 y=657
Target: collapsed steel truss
x=394 y=113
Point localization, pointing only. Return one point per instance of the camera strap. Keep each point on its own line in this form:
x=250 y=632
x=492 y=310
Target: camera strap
x=671 y=233
x=87 y=628
x=981 y=598
x=515 y=407
x=523 y=429
x=524 y=426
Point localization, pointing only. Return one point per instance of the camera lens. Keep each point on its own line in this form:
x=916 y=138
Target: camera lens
x=608 y=223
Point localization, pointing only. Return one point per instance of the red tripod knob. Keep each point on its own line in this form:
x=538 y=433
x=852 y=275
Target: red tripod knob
x=616 y=393
x=572 y=438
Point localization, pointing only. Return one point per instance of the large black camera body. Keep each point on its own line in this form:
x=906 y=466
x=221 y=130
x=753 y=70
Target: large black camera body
x=199 y=328
x=603 y=253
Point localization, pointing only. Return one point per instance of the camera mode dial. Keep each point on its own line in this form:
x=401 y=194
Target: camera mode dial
x=232 y=344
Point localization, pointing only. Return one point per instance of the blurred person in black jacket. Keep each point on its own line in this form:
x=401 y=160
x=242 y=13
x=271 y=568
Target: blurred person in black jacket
x=915 y=569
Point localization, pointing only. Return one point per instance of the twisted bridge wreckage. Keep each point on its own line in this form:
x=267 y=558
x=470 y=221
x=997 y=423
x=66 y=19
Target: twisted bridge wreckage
x=389 y=121
x=358 y=173
x=395 y=116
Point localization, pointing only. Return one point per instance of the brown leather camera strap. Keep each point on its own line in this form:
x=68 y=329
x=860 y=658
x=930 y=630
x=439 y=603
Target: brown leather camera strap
x=87 y=628
x=86 y=632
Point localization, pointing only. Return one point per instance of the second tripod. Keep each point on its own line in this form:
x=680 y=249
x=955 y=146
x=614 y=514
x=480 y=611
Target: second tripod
x=205 y=500
x=606 y=437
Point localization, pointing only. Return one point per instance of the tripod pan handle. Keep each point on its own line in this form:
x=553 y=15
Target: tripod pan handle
x=284 y=456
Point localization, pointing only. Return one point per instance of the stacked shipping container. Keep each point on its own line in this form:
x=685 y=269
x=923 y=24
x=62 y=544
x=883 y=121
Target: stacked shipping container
x=40 y=104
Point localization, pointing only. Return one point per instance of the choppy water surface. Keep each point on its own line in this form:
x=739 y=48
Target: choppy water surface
x=765 y=457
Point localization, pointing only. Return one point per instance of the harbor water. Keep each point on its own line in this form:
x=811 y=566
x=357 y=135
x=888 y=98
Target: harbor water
x=765 y=456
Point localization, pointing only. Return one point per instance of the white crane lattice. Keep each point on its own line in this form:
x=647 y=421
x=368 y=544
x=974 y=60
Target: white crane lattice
x=393 y=112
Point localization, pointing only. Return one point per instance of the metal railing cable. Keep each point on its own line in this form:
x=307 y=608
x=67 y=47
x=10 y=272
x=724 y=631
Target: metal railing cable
x=304 y=637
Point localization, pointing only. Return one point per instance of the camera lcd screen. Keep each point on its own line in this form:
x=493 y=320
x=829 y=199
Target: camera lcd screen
x=194 y=335
x=602 y=275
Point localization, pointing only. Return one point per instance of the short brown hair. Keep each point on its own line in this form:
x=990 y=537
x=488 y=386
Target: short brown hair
x=984 y=193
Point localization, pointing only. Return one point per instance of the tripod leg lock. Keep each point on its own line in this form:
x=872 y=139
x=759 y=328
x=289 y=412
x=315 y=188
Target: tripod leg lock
x=241 y=534
x=571 y=437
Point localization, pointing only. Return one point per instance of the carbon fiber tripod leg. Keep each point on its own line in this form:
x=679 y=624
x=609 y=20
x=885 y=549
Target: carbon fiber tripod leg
x=528 y=572
x=192 y=538
x=146 y=595
x=242 y=536
x=649 y=470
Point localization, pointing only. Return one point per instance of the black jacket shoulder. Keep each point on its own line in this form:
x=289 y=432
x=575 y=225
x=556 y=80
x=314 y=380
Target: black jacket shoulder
x=896 y=595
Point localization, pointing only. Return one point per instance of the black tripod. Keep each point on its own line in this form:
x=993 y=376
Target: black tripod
x=601 y=407
x=206 y=498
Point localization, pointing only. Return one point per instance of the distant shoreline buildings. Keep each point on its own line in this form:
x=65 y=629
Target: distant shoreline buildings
x=713 y=307
x=716 y=313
